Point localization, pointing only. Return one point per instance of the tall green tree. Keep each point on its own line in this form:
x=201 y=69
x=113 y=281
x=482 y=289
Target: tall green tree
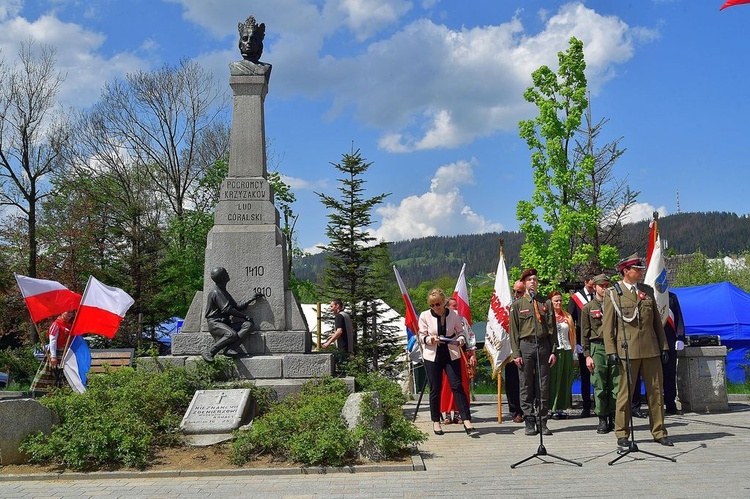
x=355 y=264
x=557 y=220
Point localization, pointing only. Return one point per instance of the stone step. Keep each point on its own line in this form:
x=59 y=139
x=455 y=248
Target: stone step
x=282 y=366
x=258 y=343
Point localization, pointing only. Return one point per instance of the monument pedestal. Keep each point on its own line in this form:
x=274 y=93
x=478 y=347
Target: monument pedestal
x=702 y=380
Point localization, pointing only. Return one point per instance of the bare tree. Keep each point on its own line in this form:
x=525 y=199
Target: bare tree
x=32 y=135
x=170 y=119
x=609 y=195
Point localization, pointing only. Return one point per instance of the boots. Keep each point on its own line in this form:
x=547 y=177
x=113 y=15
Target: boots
x=603 y=426
x=611 y=422
x=530 y=426
x=545 y=430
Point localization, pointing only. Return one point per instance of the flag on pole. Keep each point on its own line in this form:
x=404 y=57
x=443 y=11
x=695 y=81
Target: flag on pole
x=497 y=335
x=656 y=272
x=411 y=320
x=732 y=3
x=77 y=364
x=102 y=309
x=46 y=298
x=462 y=297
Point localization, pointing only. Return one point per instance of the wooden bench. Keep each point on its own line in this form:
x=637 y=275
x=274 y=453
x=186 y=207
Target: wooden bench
x=115 y=358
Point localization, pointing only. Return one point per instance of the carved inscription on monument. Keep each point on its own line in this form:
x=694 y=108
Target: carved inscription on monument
x=216 y=411
x=244 y=200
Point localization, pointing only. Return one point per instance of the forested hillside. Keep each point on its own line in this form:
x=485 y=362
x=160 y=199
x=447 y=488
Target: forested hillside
x=714 y=234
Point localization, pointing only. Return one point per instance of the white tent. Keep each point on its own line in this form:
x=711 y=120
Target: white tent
x=310 y=310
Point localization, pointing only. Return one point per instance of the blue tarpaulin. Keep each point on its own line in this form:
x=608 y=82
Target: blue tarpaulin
x=720 y=309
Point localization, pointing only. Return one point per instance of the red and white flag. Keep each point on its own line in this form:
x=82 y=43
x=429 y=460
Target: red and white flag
x=656 y=272
x=46 y=298
x=411 y=320
x=461 y=295
x=497 y=334
x=732 y=3
x=102 y=309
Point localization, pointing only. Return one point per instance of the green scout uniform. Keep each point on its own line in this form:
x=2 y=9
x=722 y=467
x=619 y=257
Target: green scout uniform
x=646 y=340
x=606 y=375
x=526 y=329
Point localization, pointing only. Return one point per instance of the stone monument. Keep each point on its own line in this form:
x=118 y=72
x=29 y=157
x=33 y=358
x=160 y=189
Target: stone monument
x=246 y=240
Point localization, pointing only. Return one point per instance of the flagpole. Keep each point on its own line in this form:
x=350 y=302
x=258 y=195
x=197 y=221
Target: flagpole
x=72 y=326
x=500 y=368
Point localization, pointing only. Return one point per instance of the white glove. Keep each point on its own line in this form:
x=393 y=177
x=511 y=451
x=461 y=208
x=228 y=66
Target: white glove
x=679 y=345
x=579 y=349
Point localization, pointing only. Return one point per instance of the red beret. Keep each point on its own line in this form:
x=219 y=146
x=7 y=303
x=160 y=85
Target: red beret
x=527 y=273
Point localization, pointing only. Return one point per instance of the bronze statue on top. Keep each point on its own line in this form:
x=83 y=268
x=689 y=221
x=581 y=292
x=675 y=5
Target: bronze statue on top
x=220 y=309
x=251 y=39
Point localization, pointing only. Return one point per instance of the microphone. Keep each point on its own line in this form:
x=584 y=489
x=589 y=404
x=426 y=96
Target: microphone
x=617 y=288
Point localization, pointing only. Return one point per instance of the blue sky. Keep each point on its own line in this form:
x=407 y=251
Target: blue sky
x=431 y=92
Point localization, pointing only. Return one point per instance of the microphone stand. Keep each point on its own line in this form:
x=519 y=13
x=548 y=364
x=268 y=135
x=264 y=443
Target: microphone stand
x=541 y=450
x=632 y=446
x=421 y=391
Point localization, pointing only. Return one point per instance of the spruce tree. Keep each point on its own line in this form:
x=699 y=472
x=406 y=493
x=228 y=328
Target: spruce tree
x=355 y=265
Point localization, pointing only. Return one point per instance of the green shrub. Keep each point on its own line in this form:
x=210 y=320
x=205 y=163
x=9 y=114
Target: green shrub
x=21 y=364
x=306 y=428
x=398 y=432
x=120 y=420
x=309 y=429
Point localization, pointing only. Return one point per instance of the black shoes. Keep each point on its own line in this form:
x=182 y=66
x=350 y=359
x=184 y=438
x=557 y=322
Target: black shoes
x=602 y=427
x=664 y=441
x=586 y=413
x=623 y=442
x=471 y=431
x=544 y=429
x=530 y=426
x=437 y=429
x=673 y=411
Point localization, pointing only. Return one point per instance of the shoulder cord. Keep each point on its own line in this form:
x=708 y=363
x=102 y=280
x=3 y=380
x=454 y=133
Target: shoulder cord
x=618 y=311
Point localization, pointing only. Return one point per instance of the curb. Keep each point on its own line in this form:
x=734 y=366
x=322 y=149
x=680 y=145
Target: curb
x=417 y=464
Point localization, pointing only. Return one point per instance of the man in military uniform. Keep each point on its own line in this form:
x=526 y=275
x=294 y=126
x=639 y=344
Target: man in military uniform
x=606 y=374
x=631 y=321
x=533 y=336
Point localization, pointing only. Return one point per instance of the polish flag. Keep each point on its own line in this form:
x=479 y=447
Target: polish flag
x=731 y=3
x=497 y=335
x=656 y=272
x=46 y=298
x=411 y=320
x=462 y=296
x=102 y=309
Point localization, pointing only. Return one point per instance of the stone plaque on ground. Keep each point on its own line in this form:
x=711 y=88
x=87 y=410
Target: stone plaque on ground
x=214 y=414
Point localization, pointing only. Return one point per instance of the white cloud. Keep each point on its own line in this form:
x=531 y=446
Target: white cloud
x=314 y=250
x=642 y=211
x=441 y=211
x=76 y=50
x=366 y=17
x=300 y=184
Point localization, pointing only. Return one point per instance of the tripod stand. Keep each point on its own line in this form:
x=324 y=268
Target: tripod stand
x=421 y=391
x=541 y=450
x=632 y=446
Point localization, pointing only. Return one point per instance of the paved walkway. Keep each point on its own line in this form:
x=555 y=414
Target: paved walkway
x=712 y=453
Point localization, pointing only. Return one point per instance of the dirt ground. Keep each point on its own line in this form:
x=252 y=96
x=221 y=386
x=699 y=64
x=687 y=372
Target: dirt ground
x=215 y=457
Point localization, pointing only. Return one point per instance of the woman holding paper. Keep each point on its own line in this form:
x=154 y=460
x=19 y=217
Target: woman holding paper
x=442 y=334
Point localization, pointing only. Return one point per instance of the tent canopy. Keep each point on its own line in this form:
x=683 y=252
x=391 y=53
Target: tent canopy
x=720 y=309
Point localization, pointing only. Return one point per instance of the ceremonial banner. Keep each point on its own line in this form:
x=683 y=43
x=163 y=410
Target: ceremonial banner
x=497 y=335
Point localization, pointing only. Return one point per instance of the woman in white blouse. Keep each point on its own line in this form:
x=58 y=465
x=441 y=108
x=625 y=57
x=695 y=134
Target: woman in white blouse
x=441 y=333
x=561 y=374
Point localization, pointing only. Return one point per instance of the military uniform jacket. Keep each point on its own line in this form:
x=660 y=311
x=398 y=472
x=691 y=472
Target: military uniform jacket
x=643 y=328
x=591 y=324
x=524 y=324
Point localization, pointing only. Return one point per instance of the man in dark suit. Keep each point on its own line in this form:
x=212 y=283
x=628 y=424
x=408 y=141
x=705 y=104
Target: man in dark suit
x=631 y=320
x=577 y=301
